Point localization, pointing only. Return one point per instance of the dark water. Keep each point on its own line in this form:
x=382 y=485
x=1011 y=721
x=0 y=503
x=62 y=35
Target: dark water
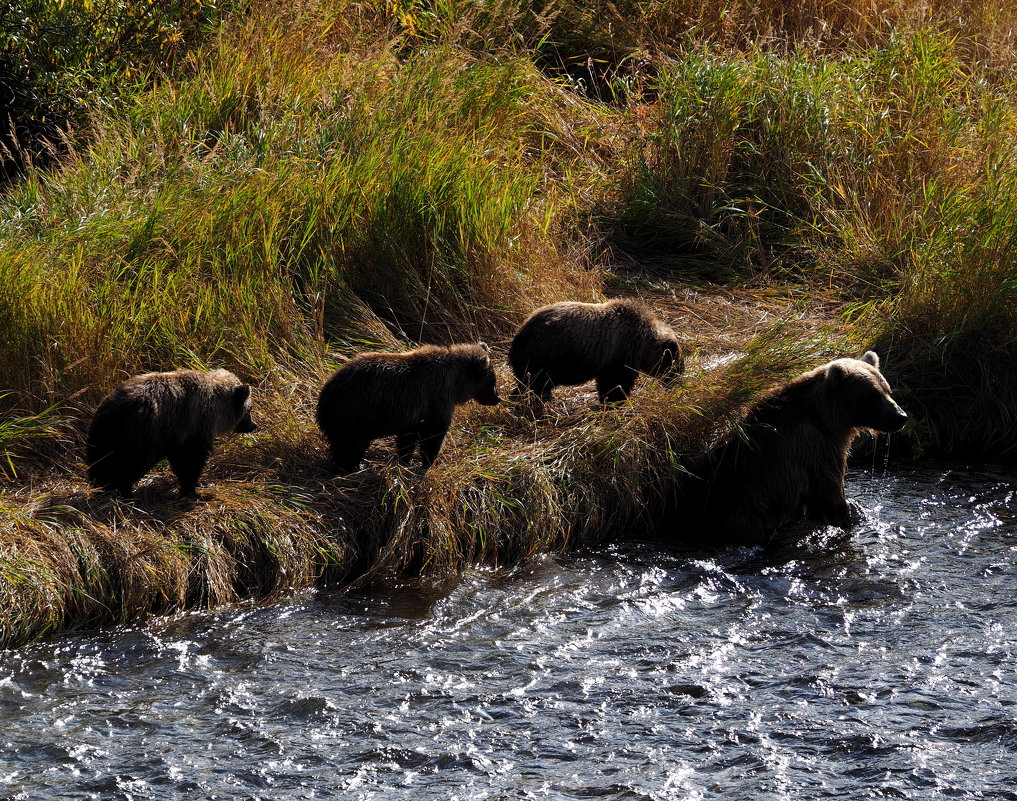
x=874 y=664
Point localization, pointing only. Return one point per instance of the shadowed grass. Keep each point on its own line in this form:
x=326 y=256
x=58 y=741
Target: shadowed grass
x=951 y=328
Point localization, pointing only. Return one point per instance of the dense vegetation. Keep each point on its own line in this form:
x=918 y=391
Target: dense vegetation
x=283 y=184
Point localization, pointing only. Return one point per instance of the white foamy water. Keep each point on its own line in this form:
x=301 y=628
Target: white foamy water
x=872 y=664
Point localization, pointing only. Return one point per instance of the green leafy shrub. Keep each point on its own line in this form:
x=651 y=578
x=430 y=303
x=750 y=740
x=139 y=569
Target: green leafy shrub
x=59 y=59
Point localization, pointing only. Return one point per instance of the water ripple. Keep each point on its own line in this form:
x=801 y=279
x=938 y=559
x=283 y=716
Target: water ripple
x=878 y=663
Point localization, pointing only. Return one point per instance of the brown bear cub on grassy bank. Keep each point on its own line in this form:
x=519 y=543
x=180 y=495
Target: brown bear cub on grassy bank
x=411 y=395
x=173 y=415
x=788 y=461
x=571 y=343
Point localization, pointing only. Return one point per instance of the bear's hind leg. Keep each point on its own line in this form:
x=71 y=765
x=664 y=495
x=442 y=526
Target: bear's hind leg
x=406 y=445
x=125 y=467
x=347 y=455
x=105 y=471
x=125 y=484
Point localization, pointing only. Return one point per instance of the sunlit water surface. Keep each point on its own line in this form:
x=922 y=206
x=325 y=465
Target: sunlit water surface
x=877 y=663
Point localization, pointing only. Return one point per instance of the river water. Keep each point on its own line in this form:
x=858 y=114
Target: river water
x=879 y=663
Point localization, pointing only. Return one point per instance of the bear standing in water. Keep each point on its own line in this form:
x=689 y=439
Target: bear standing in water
x=788 y=461
x=411 y=395
x=571 y=343
x=173 y=415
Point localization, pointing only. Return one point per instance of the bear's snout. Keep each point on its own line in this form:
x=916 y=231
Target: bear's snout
x=893 y=420
x=901 y=419
x=673 y=375
x=246 y=426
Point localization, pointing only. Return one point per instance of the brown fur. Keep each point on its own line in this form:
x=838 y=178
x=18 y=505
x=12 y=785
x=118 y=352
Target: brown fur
x=571 y=343
x=173 y=415
x=787 y=462
x=411 y=395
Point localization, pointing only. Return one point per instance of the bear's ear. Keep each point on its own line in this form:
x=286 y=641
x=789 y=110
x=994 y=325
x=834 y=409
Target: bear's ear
x=484 y=346
x=870 y=357
x=835 y=372
x=487 y=358
x=241 y=394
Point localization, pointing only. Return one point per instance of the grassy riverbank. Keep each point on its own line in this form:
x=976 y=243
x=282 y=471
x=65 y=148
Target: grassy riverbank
x=297 y=184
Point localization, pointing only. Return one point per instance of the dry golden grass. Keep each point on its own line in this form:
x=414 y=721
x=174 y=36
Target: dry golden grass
x=273 y=518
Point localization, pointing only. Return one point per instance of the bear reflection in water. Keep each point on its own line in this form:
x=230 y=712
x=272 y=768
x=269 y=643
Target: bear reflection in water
x=786 y=462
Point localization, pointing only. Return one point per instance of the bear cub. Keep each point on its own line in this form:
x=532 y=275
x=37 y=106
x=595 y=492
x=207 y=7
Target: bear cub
x=787 y=462
x=570 y=343
x=411 y=395
x=174 y=415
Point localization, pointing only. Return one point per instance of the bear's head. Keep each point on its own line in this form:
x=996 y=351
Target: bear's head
x=666 y=360
x=242 y=410
x=485 y=384
x=861 y=396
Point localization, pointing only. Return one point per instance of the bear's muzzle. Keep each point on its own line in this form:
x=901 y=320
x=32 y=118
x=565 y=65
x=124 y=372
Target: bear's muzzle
x=246 y=426
x=894 y=420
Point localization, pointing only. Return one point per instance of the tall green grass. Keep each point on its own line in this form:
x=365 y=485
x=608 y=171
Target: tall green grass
x=279 y=199
x=849 y=159
x=431 y=184
x=885 y=173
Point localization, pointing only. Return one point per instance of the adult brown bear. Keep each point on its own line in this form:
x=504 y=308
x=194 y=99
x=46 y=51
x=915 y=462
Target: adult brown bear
x=571 y=343
x=787 y=461
x=411 y=395
x=174 y=415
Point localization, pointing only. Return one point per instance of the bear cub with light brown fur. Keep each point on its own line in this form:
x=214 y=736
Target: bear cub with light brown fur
x=411 y=395
x=787 y=462
x=570 y=343
x=175 y=416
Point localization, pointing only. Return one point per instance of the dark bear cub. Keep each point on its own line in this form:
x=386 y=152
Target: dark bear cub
x=571 y=343
x=411 y=395
x=787 y=462
x=173 y=415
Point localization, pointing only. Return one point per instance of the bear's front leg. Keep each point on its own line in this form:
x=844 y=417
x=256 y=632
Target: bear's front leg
x=828 y=505
x=432 y=435
x=536 y=387
x=187 y=462
x=615 y=384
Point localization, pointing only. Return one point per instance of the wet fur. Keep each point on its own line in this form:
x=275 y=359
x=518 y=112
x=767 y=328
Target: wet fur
x=174 y=415
x=787 y=460
x=410 y=395
x=571 y=343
